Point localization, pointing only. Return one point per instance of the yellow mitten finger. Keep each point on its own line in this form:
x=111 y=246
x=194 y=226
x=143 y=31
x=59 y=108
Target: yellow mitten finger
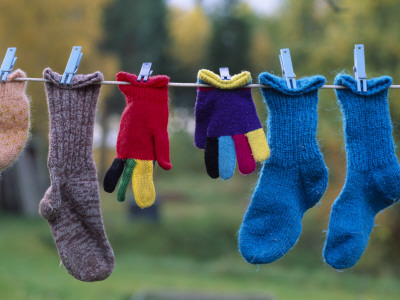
x=142 y=183
x=258 y=144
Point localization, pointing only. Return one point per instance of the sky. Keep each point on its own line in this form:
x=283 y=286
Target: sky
x=265 y=7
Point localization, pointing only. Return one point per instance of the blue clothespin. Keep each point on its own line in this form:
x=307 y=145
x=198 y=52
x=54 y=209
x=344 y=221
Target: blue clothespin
x=145 y=72
x=8 y=63
x=359 y=68
x=287 y=68
x=72 y=65
x=224 y=73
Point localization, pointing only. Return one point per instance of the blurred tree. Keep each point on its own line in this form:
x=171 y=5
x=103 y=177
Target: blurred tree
x=136 y=32
x=231 y=36
x=44 y=33
x=263 y=55
x=190 y=33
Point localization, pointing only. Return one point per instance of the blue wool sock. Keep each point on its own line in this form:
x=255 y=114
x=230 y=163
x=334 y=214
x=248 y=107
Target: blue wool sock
x=373 y=173
x=293 y=179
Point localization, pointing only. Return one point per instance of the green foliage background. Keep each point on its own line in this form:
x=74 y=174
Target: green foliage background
x=201 y=216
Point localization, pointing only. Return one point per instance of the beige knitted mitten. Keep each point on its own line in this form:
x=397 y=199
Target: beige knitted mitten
x=14 y=118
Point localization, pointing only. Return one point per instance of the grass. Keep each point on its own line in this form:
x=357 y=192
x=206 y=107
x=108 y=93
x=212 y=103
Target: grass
x=192 y=248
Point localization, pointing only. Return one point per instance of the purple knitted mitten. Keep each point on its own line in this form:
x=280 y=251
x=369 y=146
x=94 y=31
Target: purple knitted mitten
x=227 y=125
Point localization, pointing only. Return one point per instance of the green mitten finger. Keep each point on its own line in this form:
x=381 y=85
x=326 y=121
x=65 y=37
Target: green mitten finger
x=126 y=178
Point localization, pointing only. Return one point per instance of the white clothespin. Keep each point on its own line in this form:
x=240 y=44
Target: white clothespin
x=72 y=65
x=287 y=68
x=145 y=72
x=8 y=63
x=359 y=68
x=224 y=73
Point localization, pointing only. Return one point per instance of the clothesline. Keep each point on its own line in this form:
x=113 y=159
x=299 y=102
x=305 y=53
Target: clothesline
x=188 y=85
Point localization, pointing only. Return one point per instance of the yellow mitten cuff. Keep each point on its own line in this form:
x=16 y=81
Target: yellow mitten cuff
x=237 y=81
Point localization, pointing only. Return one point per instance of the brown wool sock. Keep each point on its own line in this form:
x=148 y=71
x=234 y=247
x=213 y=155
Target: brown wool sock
x=72 y=203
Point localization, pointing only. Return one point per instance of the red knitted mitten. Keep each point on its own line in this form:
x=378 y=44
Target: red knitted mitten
x=142 y=138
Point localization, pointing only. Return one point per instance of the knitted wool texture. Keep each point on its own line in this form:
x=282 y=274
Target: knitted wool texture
x=373 y=173
x=294 y=177
x=14 y=118
x=72 y=204
x=142 y=138
x=227 y=125
x=143 y=129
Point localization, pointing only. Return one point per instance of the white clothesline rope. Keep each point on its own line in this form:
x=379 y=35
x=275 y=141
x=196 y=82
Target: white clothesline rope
x=188 y=85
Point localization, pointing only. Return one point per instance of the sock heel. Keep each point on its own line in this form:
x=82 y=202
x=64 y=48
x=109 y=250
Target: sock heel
x=387 y=182
x=314 y=176
x=48 y=208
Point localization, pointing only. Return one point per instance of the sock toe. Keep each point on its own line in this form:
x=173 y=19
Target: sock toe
x=343 y=253
x=348 y=235
x=272 y=223
x=266 y=248
x=264 y=238
x=94 y=268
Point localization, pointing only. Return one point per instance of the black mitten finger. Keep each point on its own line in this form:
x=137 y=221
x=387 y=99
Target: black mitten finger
x=113 y=174
x=211 y=157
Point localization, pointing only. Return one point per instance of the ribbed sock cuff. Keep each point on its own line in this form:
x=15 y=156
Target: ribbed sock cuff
x=72 y=113
x=292 y=119
x=367 y=124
